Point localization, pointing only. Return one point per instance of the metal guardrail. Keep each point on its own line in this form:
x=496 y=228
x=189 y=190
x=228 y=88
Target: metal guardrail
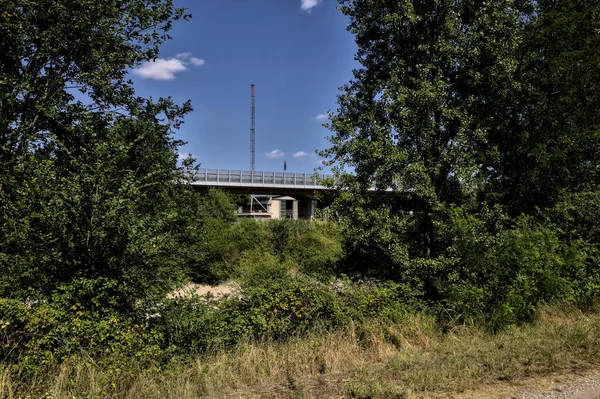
x=243 y=177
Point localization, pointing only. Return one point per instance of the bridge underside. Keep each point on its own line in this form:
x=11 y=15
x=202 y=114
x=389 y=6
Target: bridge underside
x=259 y=190
x=272 y=203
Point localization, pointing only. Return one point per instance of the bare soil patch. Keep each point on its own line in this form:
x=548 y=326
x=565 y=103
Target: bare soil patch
x=215 y=291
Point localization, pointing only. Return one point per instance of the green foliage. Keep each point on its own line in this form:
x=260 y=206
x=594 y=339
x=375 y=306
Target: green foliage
x=252 y=250
x=458 y=101
x=243 y=238
x=282 y=231
x=257 y=267
x=313 y=246
x=248 y=234
x=380 y=300
x=275 y=309
x=191 y=325
x=317 y=250
x=37 y=335
x=501 y=274
x=478 y=124
x=207 y=237
x=577 y=217
x=376 y=243
x=456 y=98
x=87 y=187
x=287 y=307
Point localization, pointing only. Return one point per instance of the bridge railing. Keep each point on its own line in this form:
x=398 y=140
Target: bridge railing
x=259 y=178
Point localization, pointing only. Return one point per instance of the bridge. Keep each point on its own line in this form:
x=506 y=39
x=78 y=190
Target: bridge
x=249 y=182
x=273 y=194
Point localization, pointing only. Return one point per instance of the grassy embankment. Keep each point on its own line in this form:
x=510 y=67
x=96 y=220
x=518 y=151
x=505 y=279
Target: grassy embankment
x=413 y=359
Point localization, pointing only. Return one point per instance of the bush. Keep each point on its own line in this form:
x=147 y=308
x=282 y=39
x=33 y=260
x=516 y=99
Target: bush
x=257 y=267
x=318 y=249
x=208 y=221
x=38 y=335
x=33 y=336
x=283 y=231
x=577 y=218
x=501 y=274
x=382 y=300
x=245 y=235
x=252 y=248
x=286 y=307
x=276 y=309
x=377 y=243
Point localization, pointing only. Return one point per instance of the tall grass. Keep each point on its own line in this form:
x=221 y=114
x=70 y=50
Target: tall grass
x=368 y=360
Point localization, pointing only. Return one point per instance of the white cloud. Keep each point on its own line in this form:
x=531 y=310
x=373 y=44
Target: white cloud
x=165 y=69
x=308 y=4
x=196 y=61
x=160 y=69
x=300 y=154
x=274 y=154
x=321 y=117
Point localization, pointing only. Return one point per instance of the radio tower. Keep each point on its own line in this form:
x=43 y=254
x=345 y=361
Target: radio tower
x=252 y=129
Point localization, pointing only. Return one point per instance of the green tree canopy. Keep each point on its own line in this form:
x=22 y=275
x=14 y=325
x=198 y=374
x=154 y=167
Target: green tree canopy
x=463 y=101
x=86 y=166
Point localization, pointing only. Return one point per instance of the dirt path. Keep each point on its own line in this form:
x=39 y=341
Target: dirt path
x=583 y=388
x=558 y=386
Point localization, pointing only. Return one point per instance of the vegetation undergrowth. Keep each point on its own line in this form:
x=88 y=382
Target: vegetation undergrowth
x=373 y=358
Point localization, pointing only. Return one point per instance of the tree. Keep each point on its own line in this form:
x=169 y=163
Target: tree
x=462 y=101
x=87 y=168
x=552 y=149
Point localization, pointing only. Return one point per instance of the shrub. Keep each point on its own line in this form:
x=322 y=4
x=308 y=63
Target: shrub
x=276 y=309
x=503 y=273
x=206 y=240
x=283 y=231
x=289 y=306
x=377 y=243
x=36 y=335
x=318 y=249
x=577 y=218
x=245 y=235
x=257 y=267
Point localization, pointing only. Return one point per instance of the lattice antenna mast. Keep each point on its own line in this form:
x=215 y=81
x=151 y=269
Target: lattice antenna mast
x=252 y=127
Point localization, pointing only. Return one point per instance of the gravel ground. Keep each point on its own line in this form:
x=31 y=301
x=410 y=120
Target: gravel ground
x=586 y=388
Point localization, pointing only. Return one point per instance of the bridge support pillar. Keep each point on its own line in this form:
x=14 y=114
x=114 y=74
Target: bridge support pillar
x=313 y=208
x=295 y=210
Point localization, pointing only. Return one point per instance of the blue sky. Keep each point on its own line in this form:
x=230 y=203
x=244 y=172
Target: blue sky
x=297 y=53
